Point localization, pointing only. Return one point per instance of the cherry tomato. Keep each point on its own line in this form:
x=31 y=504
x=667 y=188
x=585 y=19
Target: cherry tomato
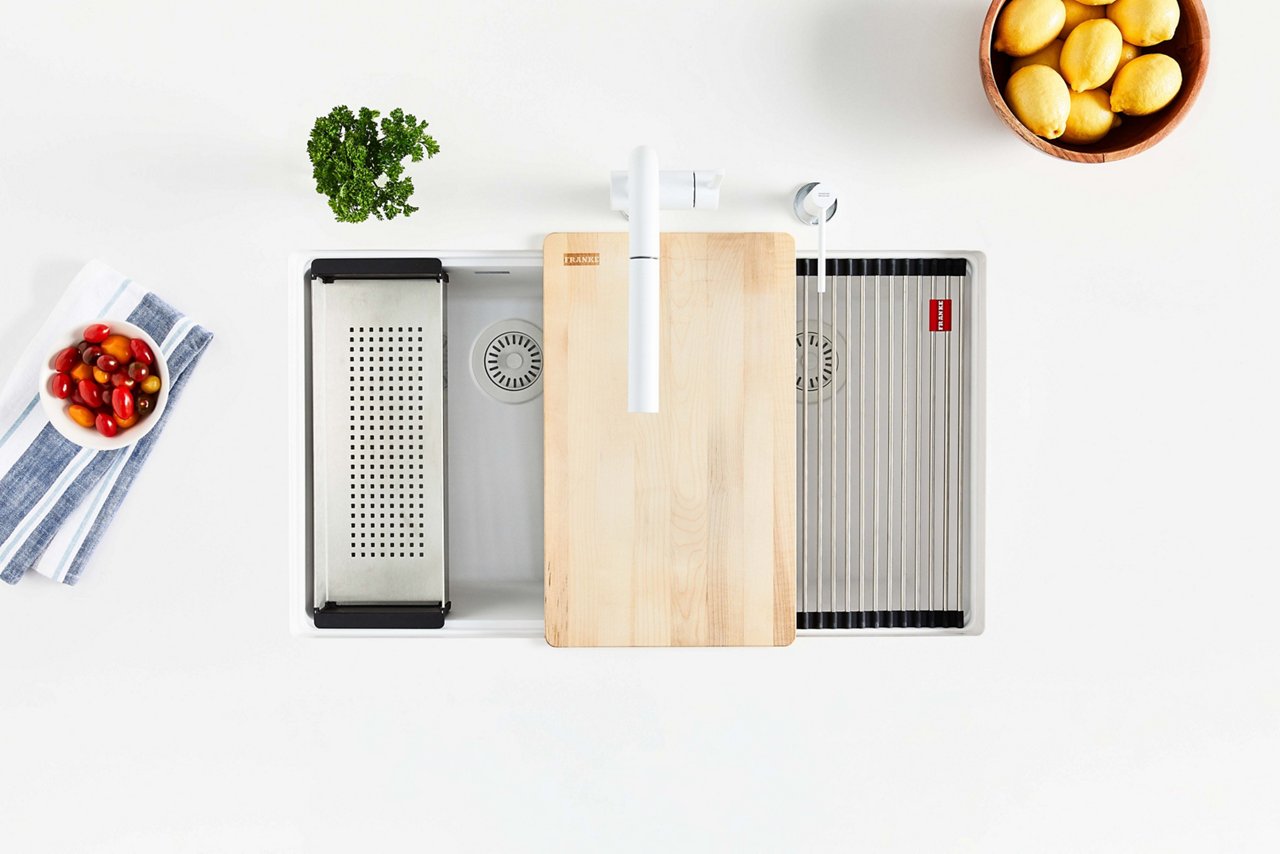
x=60 y=385
x=126 y=423
x=122 y=380
x=96 y=333
x=139 y=371
x=81 y=372
x=91 y=394
x=81 y=415
x=145 y=404
x=106 y=425
x=141 y=352
x=66 y=360
x=108 y=363
x=101 y=377
x=151 y=384
x=122 y=404
x=75 y=396
x=118 y=346
x=89 y=355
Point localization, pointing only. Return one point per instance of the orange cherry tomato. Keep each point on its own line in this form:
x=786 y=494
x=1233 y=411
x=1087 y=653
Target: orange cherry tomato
x=82 y=415
x=118 y=346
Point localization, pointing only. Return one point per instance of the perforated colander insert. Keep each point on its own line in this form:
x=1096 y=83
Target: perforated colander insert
x=386 y=429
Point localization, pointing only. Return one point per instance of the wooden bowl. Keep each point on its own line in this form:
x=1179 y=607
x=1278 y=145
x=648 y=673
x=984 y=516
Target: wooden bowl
x=1189 y=46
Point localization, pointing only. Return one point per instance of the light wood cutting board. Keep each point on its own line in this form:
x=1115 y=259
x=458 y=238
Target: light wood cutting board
x=675 y=528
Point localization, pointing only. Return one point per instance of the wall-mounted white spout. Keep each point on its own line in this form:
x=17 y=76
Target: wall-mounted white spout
x=639 y=193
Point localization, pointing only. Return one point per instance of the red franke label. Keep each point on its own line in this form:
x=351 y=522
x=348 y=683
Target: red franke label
x=939 y=315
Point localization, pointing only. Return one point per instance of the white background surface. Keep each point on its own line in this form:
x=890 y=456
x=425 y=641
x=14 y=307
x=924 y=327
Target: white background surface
x=1125 y=695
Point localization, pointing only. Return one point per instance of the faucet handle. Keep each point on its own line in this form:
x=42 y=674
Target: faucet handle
x=678 y=189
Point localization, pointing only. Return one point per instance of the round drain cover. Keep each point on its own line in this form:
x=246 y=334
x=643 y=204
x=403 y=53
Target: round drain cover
x=506 y=361
x=819 y=362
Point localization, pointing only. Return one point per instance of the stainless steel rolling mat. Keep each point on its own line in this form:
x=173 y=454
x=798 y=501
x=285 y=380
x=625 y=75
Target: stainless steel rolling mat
x=884 y=383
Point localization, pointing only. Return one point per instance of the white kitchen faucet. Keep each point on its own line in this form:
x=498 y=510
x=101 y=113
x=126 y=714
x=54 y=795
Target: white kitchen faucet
x=638 y=193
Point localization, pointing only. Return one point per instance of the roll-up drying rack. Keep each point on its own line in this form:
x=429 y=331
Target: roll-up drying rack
x=884 y=373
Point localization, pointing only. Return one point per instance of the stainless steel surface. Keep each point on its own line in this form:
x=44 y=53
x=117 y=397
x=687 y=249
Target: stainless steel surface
x=378 y=442
x=883 y=478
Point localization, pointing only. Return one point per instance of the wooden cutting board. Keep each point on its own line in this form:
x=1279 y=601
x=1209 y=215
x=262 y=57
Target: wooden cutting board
x=675 y=528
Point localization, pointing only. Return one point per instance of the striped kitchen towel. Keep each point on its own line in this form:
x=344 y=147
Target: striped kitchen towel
x=57 y=498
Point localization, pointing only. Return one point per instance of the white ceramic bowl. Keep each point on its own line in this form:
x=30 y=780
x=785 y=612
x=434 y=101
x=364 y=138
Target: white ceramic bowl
x=89 y=437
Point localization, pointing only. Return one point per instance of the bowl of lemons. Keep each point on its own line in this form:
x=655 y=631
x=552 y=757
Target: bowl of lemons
x=1093 y=80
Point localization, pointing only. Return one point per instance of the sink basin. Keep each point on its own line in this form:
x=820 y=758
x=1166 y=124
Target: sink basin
x=494 y=449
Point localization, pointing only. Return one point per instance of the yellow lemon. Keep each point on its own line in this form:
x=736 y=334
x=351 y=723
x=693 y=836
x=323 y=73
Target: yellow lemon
x=1047 y=55
x=1145 y=22
x=1040 y=99
x=1091 y=54
x=1077 y=14
x=1091 y=118
x=1146 y=84
x=1128 y=53
x=1025 y=26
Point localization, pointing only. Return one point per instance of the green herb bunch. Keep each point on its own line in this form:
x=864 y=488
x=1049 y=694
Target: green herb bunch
x=351 y=153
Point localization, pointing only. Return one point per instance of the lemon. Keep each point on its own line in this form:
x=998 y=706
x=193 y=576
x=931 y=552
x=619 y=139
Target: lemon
x=1146 y=84
x=1077 y=14
x=1128 y=53
x=1145 y=22
x=1040 y=99
x=1047 y=55
x=1090 y=54
x=1025 y=26
x=1091 y=118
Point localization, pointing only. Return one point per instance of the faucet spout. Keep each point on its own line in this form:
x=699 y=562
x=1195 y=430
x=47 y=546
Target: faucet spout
x=638 y=193
x=643 y=333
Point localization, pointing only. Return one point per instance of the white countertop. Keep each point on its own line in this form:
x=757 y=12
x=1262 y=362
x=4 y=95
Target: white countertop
x=1124 y=696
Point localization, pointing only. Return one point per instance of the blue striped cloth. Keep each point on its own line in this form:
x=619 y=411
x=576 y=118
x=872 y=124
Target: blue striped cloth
x=57 y=498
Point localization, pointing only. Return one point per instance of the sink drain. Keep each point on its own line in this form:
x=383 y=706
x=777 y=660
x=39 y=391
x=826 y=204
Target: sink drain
x=506 y=361
x=819 y=366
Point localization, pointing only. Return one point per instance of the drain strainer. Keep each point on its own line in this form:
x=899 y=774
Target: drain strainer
x=820 y=367
x=506 y=361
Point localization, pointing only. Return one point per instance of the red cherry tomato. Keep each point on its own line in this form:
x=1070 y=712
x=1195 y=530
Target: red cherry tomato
x=141 y=352
x=106 y=425
x=120 y=379
x=66 y=360
x=108 y=363
x=138 y=371
x=122 y=404
x=92 y=395
x=96 y=333
x=90 y=355
x=60 y=386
